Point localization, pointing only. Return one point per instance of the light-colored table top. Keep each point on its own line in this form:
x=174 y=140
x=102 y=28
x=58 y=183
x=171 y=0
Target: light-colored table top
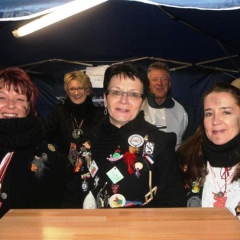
x=111 y=224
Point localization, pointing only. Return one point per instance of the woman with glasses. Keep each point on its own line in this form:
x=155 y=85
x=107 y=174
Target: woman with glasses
x=133 y=164
x=70 y=127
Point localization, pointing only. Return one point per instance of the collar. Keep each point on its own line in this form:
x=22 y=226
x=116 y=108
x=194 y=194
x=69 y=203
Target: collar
x=80 y=111
x=168 y=103
x=226 y=155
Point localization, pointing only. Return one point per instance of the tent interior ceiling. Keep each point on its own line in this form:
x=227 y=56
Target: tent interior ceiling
x=120 y=30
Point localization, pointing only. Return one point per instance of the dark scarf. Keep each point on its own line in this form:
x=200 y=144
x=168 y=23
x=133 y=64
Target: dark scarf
x=19 y=133
x=226 y=155
x=168 y=103
x=109 y=137
x=81 y=111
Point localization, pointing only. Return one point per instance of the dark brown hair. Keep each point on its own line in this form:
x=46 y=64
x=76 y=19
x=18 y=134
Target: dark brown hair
x=192 y=159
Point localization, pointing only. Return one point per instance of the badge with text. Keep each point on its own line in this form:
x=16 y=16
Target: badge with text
x=135 y=140
x=115 y=175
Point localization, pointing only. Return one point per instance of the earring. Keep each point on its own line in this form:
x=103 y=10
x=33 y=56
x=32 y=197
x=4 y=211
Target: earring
x=105 y=112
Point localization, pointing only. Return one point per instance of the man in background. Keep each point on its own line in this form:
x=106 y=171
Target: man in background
x=160 y=108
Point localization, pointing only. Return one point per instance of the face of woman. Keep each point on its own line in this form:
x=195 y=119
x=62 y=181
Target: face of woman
x=76 y=92
x=13 y=104
x=221 y=117
x=123 y=107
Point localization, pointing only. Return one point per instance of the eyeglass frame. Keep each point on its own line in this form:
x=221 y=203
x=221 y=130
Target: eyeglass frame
x=79 y=89
x=120 y=94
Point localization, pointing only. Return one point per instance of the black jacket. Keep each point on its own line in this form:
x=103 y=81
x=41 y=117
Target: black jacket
x=59 y=125
x=165 y=169
x=22 y=187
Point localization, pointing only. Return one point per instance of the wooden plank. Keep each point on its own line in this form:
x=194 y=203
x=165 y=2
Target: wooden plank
x=169 y=224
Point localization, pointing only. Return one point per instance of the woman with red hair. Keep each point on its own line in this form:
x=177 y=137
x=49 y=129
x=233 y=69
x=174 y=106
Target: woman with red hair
x=30 y=170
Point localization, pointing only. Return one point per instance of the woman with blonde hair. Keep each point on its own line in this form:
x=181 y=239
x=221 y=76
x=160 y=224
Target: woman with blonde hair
x=70 y=126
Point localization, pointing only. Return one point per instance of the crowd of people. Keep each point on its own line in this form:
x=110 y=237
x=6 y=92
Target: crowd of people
x=135 y=152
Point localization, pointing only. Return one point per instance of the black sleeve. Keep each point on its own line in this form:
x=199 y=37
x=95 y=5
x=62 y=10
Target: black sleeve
x=167 y=173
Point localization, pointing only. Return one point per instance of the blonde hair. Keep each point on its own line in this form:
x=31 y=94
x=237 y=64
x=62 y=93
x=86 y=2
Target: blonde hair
x=236 y=83
x=80 y=77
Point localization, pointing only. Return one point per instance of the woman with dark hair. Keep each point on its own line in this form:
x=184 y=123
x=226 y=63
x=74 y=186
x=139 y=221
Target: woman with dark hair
x=211 y=157
x=133 y=163
x=31 y=174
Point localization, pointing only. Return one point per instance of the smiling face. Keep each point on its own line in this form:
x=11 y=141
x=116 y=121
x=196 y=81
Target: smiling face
x=76 y=92
x=123 y=108
x=221 y=117
x=159 y=84
x=13 y=104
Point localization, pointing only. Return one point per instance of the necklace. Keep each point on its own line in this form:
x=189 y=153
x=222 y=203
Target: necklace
x=77 y=132
x=221 y=195
x=3 y=168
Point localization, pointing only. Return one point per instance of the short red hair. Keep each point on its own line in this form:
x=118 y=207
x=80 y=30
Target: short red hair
x=20 y=81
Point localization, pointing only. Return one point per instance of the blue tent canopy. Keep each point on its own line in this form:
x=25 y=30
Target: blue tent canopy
x=118 y=30
x=200 y=46
x=24 y=9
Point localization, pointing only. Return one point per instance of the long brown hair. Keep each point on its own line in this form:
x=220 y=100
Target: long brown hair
x=191 y=157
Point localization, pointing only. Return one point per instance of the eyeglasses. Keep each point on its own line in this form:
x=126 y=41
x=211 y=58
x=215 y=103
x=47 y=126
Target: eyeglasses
x=118 y=94
x=79 y=89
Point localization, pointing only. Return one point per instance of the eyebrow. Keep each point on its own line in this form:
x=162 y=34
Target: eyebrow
x=210 y=109
x=119 y=89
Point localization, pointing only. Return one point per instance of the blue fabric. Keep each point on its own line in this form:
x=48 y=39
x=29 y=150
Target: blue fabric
x=119 y=30
x=24 y=9
x=202 y=4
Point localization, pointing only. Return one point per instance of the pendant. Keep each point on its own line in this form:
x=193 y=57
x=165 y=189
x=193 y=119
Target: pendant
x=220 y=194
x=220 y=199
x=84 y=186
x=77 y=133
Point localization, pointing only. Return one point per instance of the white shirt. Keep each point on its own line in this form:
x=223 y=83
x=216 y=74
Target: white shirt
x=174 y=119
x=215 y=183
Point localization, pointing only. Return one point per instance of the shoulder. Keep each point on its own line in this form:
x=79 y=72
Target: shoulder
x=51 y=153
x=161 y=137
x=179 y=106
x=46 y=147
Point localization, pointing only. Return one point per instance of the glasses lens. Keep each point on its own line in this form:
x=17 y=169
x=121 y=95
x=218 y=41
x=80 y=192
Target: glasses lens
x=79 y=89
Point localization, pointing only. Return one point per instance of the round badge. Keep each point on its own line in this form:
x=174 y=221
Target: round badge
x=194 y=201
x=138 y=165
x=135 y=140
x=3 y=196
x=117 y=200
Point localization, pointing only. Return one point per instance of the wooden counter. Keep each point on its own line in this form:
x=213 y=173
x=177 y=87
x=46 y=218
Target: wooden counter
x=111 y=224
